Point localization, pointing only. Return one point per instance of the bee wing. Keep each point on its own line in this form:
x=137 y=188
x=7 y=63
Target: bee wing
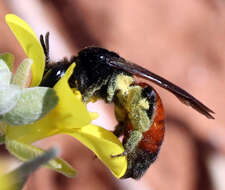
x=181 y=94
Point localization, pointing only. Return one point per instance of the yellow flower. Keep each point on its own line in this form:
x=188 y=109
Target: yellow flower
x=70 y=116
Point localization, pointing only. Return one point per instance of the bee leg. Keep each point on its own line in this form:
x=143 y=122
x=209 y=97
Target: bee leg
x=119 y=130
x=132 y=141
x=124 y=153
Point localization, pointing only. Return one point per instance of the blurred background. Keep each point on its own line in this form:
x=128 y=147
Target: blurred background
x=183 y=41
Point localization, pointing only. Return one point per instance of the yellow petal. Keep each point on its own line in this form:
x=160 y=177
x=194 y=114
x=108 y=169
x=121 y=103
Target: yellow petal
x=6 y=182
x=104 y=144
x=94 y=115
x=70 y=112
x=70 y=104
x=30 y=44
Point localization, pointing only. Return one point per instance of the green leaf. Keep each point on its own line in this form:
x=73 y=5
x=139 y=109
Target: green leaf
x=5 y=74
x=19 y=176
x=33 y=104
x=22 y=74
x=9 y=95
x=2 y=139
x=9 y=59
x=27 y=152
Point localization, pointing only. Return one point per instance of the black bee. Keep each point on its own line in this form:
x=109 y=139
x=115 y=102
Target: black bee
x=103 y=74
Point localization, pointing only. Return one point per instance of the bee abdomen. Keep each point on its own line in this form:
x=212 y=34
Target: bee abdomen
x=143 y=159
x=148 y=148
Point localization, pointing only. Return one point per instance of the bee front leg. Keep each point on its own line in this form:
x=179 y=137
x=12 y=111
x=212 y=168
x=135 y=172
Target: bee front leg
x=121 y=116
x=119 y=130
x=119 y=155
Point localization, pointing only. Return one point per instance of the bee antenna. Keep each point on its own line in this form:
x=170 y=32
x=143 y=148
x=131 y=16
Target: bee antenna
x=45 y=46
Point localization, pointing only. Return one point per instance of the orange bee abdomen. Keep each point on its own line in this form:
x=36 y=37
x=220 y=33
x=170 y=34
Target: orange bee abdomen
x=148 y=147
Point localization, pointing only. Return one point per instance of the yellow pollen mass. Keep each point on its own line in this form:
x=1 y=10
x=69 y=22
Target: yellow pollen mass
x=144 y=104
x=123 y=82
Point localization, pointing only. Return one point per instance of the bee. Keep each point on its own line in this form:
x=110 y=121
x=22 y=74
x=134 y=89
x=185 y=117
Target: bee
x=103 y=74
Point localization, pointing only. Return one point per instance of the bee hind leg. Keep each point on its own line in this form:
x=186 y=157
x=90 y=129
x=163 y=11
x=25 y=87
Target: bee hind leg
x=131 y=143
